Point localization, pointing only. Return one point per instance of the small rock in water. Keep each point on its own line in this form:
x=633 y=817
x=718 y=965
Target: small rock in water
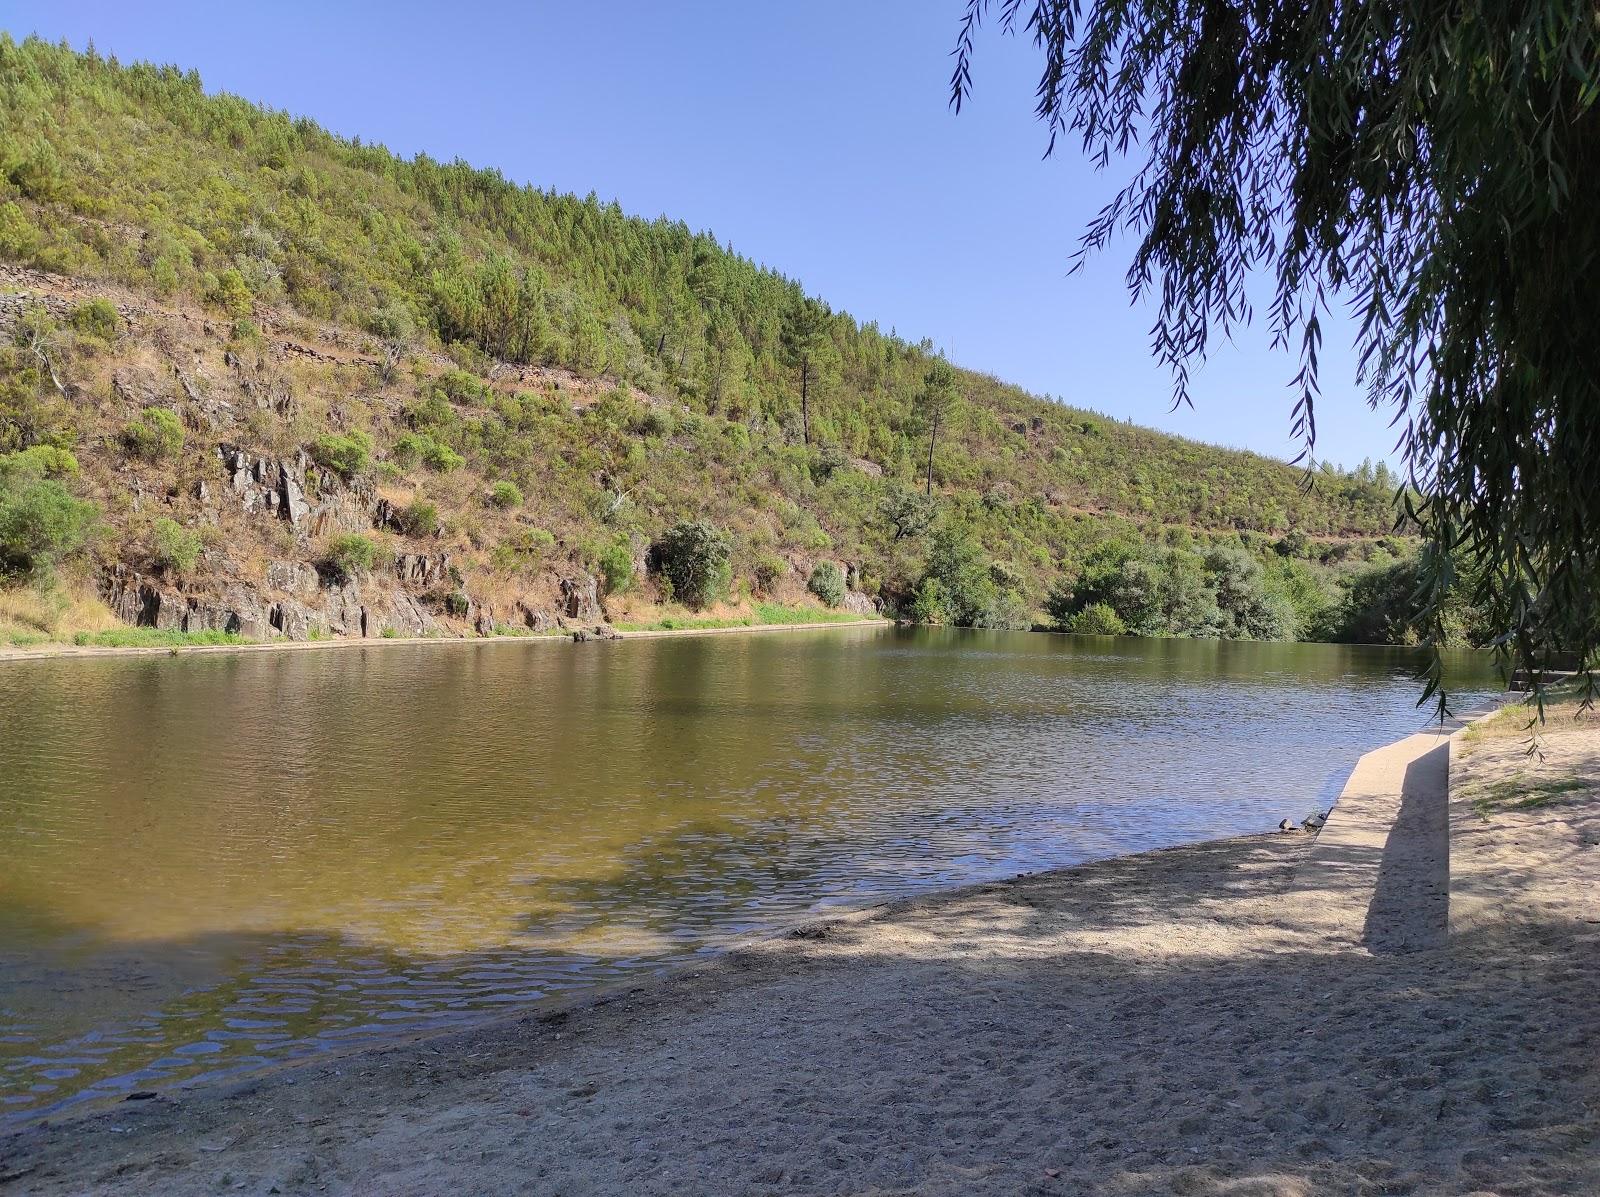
x=1315 y=822
x=1287 y=825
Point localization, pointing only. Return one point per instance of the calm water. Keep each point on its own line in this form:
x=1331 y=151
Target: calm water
x=212 y=863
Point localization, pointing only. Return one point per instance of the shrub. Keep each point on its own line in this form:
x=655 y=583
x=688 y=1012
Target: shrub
x=41 y=523
x=419 y=446
x=505 y=495
x=441 y=458
x=97 y=319
x=1097 y=619
x=231 y=293
x=157 y=434
x=1060 y=604
x=458 y=604
x=418 y=518
x=827 y=582
x=616 y=565
x=344 y=454
x=177 y=548
x=696 y=558
x=522 y=548
x=769 y=570
x=348 y=554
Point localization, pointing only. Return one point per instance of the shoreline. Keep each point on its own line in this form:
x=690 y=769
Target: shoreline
x=53 y=651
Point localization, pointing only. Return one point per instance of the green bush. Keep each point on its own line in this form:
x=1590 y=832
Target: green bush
x=505 y=495
x=827 y=582
x=768 y=571
x=1097 y=619
x=41 y=523
x=344 y=454
x=98 y=319
x=418 y=518
x=177 y=549
x=156 y=435
x=523 y=548
x=348 y=554
x=1061 y=606
x=436 y=455
x=696 y=558
x=616 y=565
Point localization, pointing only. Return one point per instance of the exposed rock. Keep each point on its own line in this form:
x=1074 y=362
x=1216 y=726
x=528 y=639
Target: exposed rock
x=295 y=507
x=482 y=619
x=871 y=468
x=142 y=603
x=138 y=386
x=535 y=618
x=295 y=577
x=422 y=569
x=293 y=620
x=580 y=598
x=267 y=484
x=858 y=604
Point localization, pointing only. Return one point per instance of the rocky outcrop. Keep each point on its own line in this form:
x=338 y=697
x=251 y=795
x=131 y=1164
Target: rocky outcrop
x=535 y=618
x=580 y=598
x=145 y=602
x=424 y=569
x=279 y=486
x=273 y=485
x=307 y=610
x=858 y=604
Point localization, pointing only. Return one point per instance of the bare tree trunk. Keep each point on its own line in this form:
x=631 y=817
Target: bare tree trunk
x=932 y=437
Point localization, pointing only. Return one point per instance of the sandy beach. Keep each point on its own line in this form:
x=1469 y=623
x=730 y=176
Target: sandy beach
x=1272 y=1015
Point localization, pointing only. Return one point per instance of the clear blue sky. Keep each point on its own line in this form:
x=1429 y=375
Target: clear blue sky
x=815 y=137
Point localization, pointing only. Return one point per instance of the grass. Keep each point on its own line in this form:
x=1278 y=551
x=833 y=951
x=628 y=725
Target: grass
x=1519 y=794
x=53 y=612
x=1563 y=709
x=153 y=638
x=762 y=615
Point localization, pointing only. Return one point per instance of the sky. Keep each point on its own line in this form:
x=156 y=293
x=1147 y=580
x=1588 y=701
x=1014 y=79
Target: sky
x=816 y=138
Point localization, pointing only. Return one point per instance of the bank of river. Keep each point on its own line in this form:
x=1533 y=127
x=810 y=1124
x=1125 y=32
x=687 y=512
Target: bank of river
x=233 y=861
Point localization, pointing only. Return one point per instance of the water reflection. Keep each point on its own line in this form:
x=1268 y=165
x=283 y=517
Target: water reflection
x=218 y=861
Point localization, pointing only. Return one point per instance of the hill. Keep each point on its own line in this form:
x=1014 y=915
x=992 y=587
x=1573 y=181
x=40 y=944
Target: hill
x=309 y=386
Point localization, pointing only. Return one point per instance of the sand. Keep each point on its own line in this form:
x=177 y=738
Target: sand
x=1273 y=1015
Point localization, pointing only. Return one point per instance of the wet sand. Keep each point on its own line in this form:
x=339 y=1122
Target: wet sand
x=1260 y=1016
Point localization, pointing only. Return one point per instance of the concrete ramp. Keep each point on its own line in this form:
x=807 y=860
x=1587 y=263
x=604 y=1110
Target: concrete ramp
x=1378 y=876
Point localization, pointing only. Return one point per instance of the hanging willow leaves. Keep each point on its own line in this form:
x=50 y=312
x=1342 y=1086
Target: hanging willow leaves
x=1433 y=165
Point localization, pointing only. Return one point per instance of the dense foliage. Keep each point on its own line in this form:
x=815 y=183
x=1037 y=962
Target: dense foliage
x=1431 y=163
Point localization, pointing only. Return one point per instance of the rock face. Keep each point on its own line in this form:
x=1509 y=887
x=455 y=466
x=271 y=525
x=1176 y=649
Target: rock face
x=312 y=611
x=535 y=618
x=858 y=604
x=580 y=598
x=144 y=602
x=423 y=569
x=278 y=486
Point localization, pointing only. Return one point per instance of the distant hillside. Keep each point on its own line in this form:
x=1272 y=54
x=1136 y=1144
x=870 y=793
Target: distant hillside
x=552 y=382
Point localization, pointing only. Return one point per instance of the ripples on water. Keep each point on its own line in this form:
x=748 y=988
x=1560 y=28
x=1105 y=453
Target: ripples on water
x=214 y=863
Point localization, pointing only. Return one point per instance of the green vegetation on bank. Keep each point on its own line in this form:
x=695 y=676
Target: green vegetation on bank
x=152 y=638
x=720 y=433
x=763 y=615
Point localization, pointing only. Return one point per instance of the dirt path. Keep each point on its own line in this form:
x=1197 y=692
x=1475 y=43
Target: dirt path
x=1166 y=1023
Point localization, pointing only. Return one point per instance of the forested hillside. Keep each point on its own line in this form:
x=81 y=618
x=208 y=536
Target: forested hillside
x=539 y=388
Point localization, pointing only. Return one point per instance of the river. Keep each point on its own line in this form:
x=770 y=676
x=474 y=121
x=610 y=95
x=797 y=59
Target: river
x=219 y=862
